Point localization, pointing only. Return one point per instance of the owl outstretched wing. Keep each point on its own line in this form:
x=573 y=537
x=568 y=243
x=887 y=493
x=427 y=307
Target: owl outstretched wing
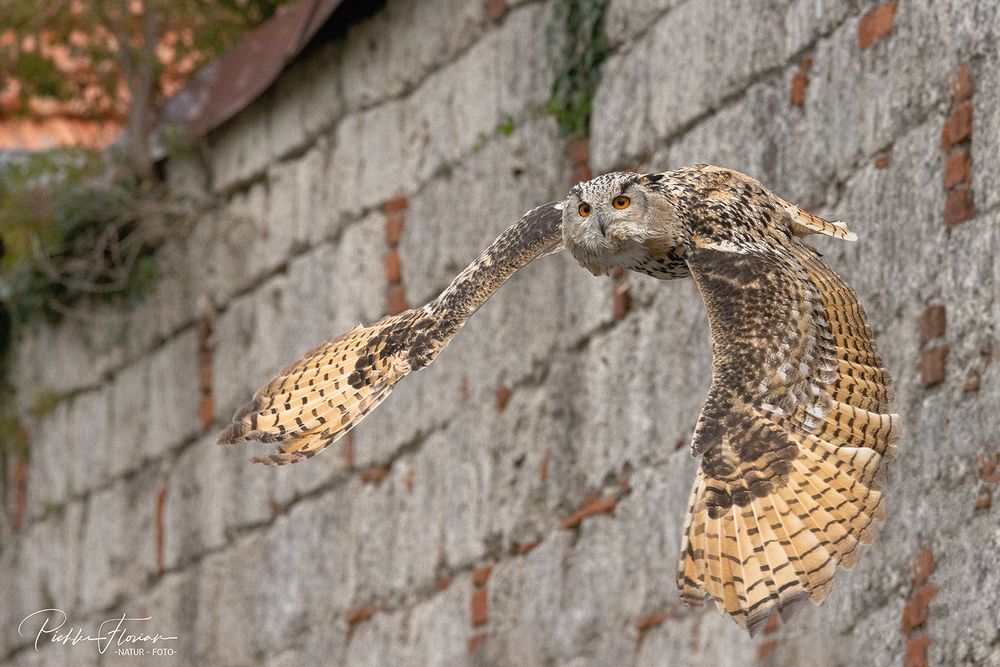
x=794 y=435
x=318 y=399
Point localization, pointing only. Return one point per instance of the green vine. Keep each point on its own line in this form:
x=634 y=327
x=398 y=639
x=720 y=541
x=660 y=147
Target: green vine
x=578 y=46
x=76 y=228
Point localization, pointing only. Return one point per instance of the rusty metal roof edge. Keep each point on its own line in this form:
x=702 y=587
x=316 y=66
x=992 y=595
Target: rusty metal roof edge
x=223 y=88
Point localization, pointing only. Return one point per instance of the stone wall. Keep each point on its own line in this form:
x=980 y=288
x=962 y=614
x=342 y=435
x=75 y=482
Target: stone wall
x=521 y=501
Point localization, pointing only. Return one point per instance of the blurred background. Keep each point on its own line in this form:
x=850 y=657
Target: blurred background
x=194 y=193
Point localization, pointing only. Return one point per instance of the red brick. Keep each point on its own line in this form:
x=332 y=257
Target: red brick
x=876 y=24
x=410 y=474
x=958 y=168
x=374 y=474
x=596 y=505
x=962 y=86
x=932 y=366
x=481 y=576
x=916 y=609
x=621 y=302
x=443 y=581
x=580 y=174
x=972 y=384
x=393 y=267
x=503 y=396
x=652 y=620
x=480 y=606
x=206 y=412
x=644 y=624
x=394 y=228
x=526 y=547
x=765 y=649
x=349 y=451
x=916 y=650
x=205 y=368
x=882 y=160
x=397 y=300
x=161 y=504
x=958 y=127
x=800 y=82
x=360 y=615
x=932 y=323
x=496 y=9
x=772 y=624
x=985 y=500
x=988 y=468
x=579 y=151
x=476 y=642
x=958 y=206
x=396 y=204
x=923 y=567
x=543 y=470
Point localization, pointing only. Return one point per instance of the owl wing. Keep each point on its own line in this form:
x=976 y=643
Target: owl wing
x=319 y=398
x=794 y=434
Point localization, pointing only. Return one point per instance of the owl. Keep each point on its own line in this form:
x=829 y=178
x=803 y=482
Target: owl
x=795 y=434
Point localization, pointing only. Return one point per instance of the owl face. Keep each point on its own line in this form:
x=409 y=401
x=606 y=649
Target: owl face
x=608 y=220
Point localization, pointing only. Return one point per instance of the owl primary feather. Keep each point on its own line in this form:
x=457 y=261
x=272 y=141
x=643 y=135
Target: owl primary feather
x=796 y=430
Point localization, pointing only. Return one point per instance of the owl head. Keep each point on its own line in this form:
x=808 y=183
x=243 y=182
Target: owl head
x=608 y=220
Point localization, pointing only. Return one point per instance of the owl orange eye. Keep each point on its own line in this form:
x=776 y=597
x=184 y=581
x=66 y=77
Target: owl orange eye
x=621 y=201
x=584 y=210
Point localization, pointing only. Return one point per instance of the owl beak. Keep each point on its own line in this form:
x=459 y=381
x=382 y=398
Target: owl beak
x=601 y=223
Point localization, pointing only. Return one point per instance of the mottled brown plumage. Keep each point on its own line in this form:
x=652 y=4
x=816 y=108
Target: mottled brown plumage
x=796 y=429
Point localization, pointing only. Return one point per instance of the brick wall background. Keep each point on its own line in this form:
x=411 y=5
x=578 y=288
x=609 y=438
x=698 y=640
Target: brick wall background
x=521 y=500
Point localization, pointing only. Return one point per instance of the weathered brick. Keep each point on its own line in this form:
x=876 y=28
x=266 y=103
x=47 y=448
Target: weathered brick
x=526 y=547
x=396 y=204
x=883 y=160
x=374 y=474
x=476 y=643
x=579 y=151
x=932 y=366
x=958 y=168
x=397 y=302
x=962 y=86
x=480 y=606
x=916 y=650
x=917 y=607
x=958 y=206
x=393 y=267
x=958 y=126
x=496 y=9
x=772 y=624
x=766 y=649
x=923 y=567
x=652 y=620
x=158 y=518
x=987 y=469
x=932 y=322
x=984 y=500
x=972 y=384
x=503 y=395
x=394 y=228
x=876 y=24
x=481 y=576
x=596 y=505
x=797 y=96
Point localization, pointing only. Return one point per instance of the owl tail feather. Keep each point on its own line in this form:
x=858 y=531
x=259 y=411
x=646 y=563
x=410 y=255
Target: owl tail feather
x=317 y=400
x=775 y=551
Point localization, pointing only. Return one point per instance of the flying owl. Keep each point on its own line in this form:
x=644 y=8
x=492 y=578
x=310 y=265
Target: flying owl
x=796 y=430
